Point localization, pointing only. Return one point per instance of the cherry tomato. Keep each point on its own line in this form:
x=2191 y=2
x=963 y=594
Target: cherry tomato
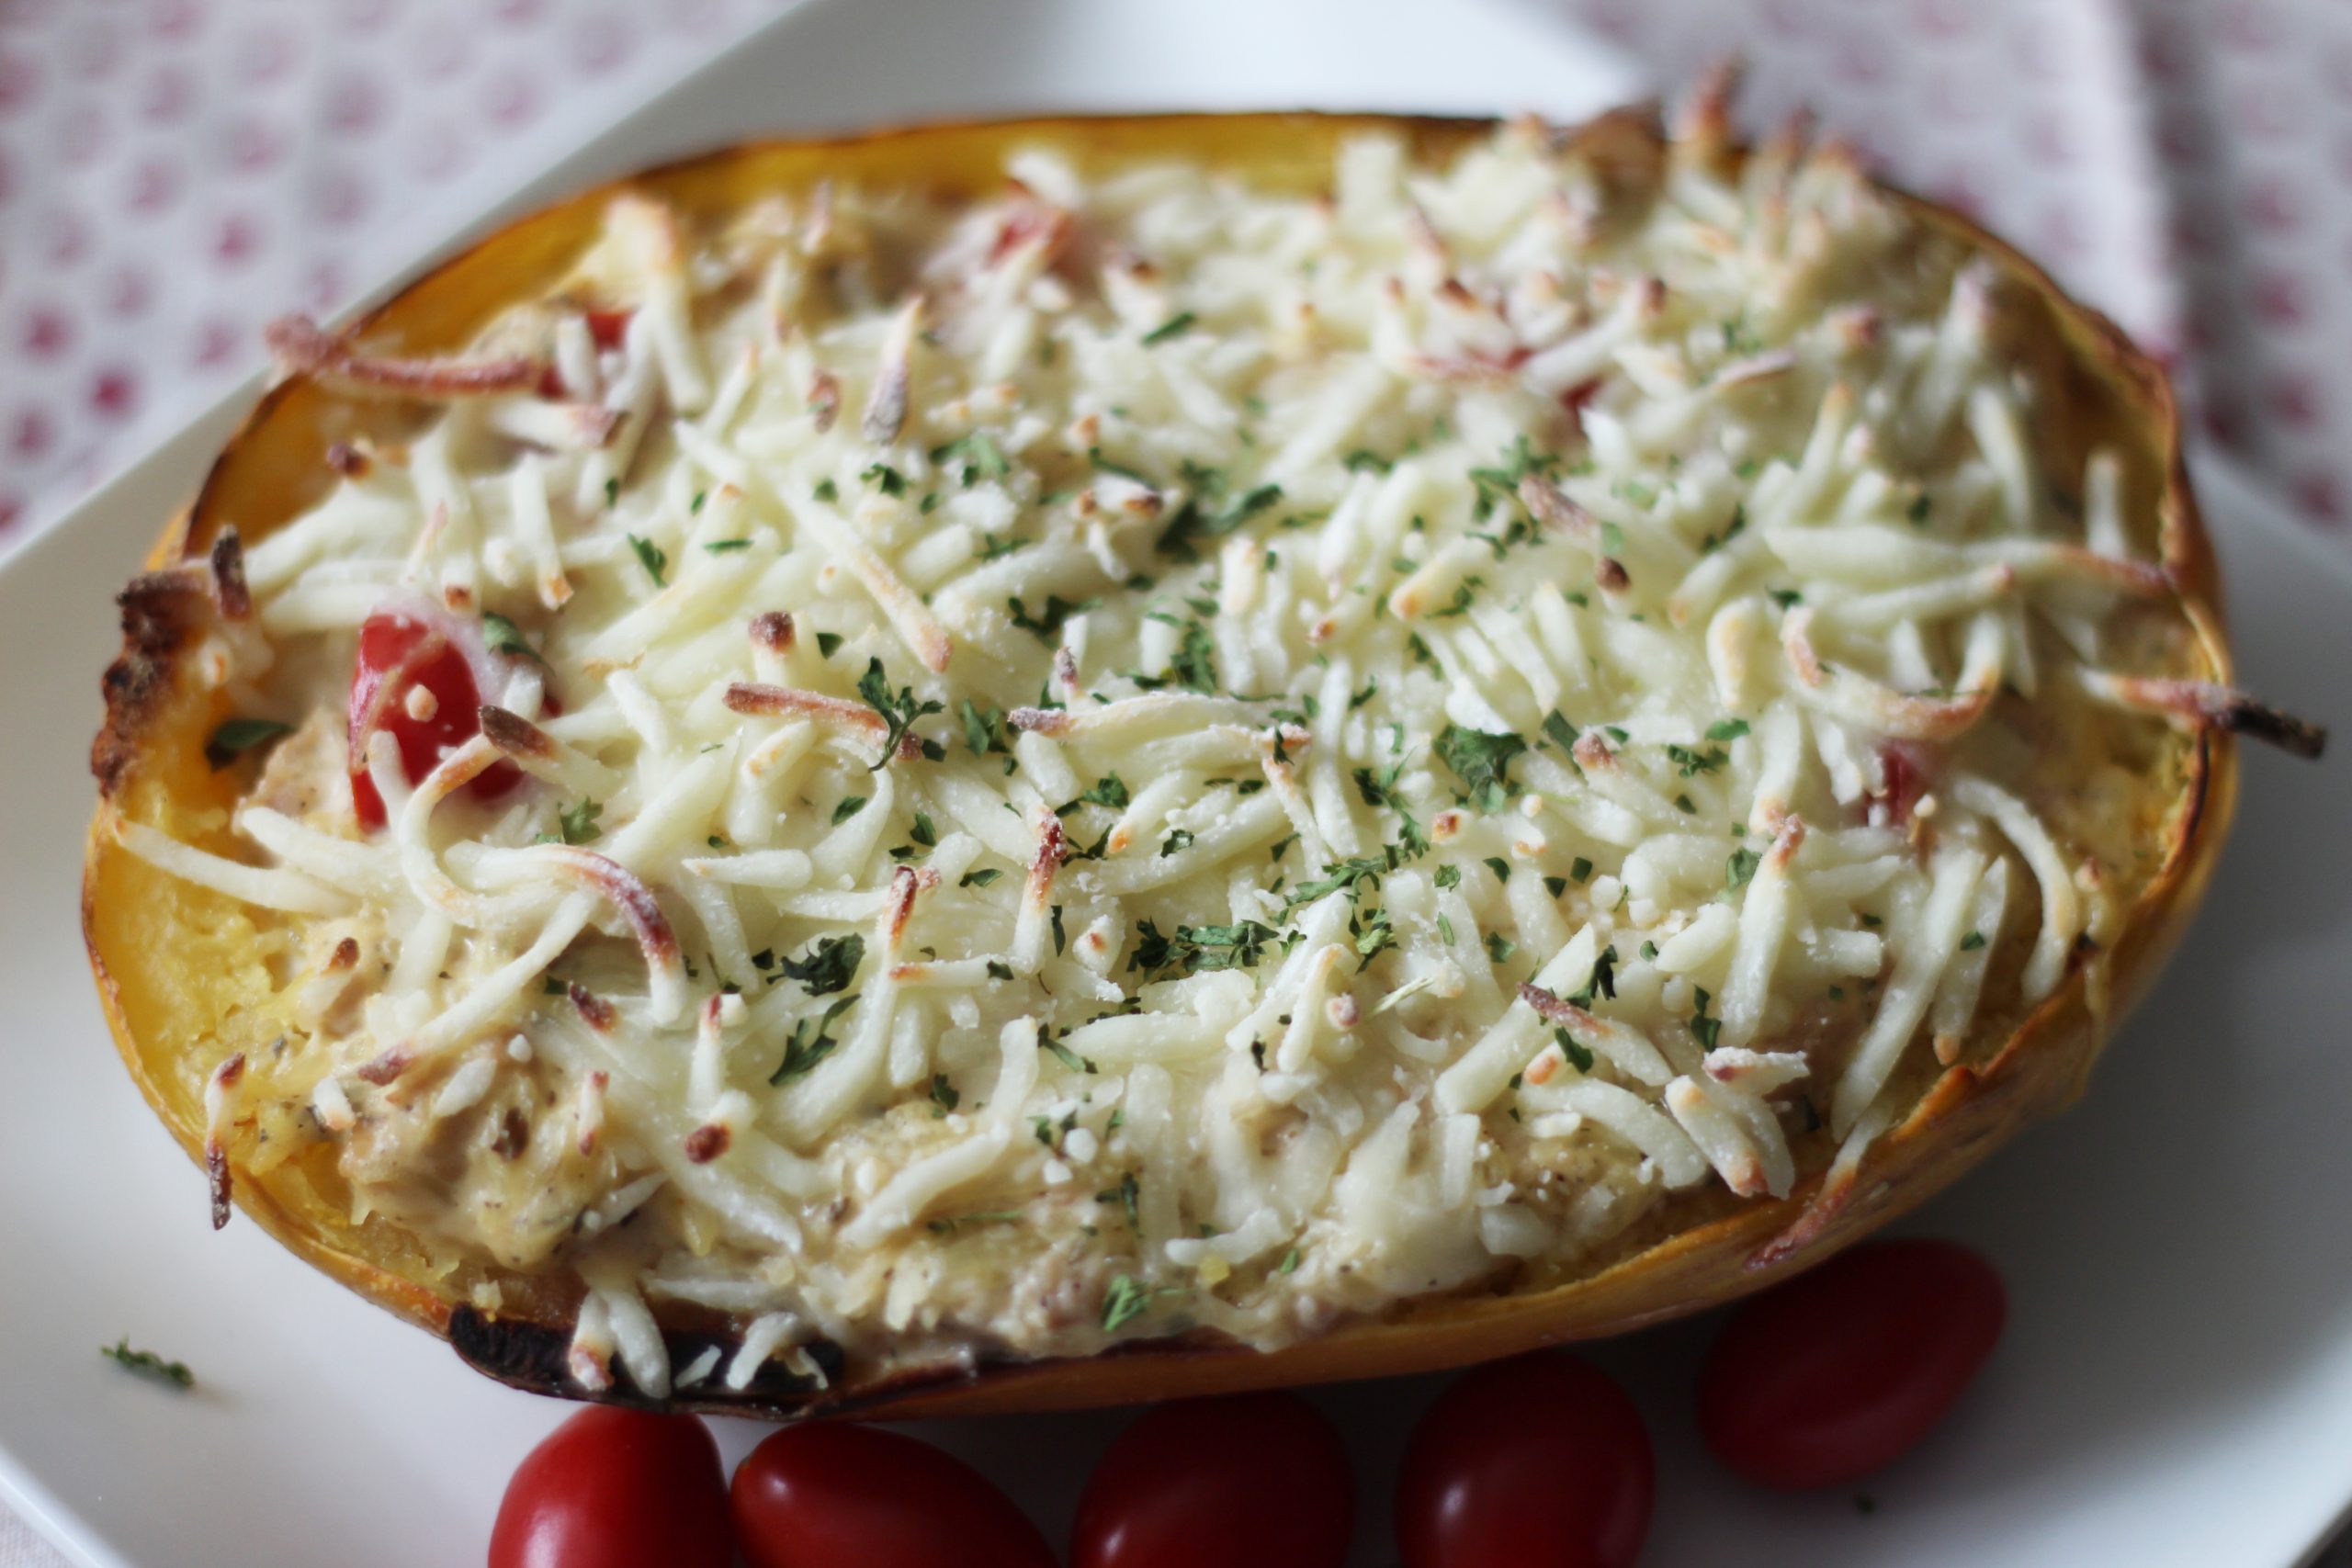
x=609 y=329
x=1821 y=1380
x=830 y=1494
x=614 y=1488
x=1537 y=1462
x=399 y=655
x=1251 y=1480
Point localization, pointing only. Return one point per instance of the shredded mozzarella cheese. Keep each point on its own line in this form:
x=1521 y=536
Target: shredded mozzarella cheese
x=1151 y=740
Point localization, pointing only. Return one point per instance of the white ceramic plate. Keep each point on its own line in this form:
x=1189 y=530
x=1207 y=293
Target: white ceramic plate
x=2177 y=1386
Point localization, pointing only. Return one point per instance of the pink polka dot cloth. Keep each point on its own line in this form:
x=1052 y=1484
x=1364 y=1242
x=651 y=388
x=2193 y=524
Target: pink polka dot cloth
x=2183 y=165
x=175 y=172
x=172 y=173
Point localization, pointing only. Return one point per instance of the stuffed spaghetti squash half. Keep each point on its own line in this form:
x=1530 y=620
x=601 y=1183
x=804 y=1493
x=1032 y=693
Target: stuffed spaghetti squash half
x=1041 y=763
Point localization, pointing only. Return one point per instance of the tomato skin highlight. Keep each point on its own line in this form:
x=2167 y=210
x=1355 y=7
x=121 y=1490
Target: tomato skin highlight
x=829 y=1493
x=1833 y=1375
x=1540 y=1461
x=399 y=654
x=614 y=1488
x=1247 y=1481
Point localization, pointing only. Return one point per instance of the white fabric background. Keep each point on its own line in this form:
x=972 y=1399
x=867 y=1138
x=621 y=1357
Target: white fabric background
x=175 y=172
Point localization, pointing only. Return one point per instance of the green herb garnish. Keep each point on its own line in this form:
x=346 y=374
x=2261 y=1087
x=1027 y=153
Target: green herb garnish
x=579 y=822
x=897 y=712
x=1578 y=1057
x=1482 y=762
x=984 y=729
x=148 y=1364
x=810 y=1043
x=1195 y=661
x=236 y=737
x=1690 y=762
x=651 y=557
x=1108 y=790
x=501 y=636
x=979 y=454
x=1176 y=325
x=1047 y=627
x=828 y=965
x=1128 y=1195
x=1194 y=949
x=1127 y=1299
x=1705 y=1029
x=1066 y=1056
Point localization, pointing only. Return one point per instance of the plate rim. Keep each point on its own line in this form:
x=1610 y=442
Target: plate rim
x=2214 y=474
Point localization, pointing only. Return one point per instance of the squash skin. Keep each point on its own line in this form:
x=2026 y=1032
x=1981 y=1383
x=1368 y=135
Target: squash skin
x=149 y=766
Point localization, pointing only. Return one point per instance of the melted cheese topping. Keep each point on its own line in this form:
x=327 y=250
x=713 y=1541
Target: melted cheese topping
x=1142 y=754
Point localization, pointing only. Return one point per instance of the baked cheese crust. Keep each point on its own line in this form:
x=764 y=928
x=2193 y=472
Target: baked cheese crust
x=1145 y=754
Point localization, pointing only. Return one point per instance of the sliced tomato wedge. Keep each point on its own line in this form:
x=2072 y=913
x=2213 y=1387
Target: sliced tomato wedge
x=608 y=328
x=413 y=682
